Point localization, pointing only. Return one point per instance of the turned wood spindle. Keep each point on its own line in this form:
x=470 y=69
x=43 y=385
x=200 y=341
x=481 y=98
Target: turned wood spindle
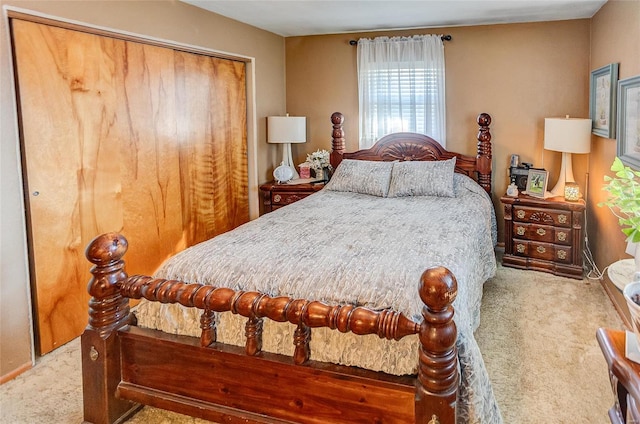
x=108 y=309
x=100 y=346
x=208 y=326
x=302 y=337
x=253 y=334
x=484 y=151
x=338 y=145
x=437 y=382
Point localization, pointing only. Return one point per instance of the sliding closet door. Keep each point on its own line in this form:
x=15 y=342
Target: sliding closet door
x=121 y=136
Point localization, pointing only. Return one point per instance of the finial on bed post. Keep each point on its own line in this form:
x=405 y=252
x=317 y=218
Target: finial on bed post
x=437 y=382
x=484 y=152
x=108 y=311
x=337 y=139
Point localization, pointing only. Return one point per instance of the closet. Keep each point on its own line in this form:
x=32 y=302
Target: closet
x=119 y=134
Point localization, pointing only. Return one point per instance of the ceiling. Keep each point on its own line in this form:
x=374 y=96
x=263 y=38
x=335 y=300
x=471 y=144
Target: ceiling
x=313 y=17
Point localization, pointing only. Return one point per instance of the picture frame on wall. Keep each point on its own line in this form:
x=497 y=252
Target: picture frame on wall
x=629 y=121
x=537 y=182
x=602 y=100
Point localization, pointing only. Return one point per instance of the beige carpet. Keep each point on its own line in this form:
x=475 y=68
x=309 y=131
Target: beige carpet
x=537 y=336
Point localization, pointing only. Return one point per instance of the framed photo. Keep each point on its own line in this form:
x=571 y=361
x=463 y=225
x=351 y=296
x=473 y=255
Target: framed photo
x=537 y=182
x=602 y=100
x=629 y=121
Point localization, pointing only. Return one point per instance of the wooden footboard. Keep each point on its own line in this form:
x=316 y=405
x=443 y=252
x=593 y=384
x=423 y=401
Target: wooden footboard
x=124 y=366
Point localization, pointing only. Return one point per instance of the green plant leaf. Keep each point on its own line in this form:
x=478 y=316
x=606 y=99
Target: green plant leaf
x=617 y=165
x=623 y=198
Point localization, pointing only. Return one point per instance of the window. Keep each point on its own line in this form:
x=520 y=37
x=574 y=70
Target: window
x=401 y=87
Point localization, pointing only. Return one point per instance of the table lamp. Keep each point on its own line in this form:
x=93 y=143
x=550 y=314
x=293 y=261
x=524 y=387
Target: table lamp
x=567 y=135
x=286 y=130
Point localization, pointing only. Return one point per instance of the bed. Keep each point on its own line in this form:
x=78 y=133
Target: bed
x=336 y=309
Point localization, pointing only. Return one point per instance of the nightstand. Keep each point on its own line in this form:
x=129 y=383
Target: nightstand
x=543 y=234
x=624 y=375
x=277 y=195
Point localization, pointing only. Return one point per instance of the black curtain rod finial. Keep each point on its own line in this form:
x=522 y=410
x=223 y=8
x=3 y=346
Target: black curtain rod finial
x=443 y=38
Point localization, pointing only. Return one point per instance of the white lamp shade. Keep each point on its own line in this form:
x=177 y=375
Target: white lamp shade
x=569 y=135
x=286 y=129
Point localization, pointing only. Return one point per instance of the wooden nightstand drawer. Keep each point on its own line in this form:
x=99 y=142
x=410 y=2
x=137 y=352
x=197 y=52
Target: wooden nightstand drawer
x=282 y=199
x=538 y=216
x=544 y=251
x=278 y=195
x=541 y=233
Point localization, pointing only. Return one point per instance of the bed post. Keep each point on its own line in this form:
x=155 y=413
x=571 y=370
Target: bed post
x=337 y=139
x=484 y=152
x=438 y=378
x=108 y=311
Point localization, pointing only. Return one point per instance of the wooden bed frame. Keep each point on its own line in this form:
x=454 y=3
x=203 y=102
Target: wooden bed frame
x=124 y=366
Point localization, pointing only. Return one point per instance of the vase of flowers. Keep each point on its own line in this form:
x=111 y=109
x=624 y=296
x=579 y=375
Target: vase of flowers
x=319 y=162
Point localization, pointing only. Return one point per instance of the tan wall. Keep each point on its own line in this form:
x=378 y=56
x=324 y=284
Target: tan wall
x=615 y=34
x=167 y=20
x=519 y=73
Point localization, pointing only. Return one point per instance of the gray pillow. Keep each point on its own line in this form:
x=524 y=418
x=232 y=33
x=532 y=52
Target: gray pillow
x=423 y=178
x=362 y=176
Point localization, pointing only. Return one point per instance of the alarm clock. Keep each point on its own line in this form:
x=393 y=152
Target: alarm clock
x=283 y=173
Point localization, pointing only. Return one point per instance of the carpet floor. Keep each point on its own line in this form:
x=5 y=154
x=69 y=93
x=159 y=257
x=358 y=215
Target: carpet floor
x=537 y=335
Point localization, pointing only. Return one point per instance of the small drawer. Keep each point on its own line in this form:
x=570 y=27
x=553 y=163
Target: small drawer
x=544 y=217
x=543 y=233
x=562 y=236
x=526 y=231
x=282 y=199
x=544 y=251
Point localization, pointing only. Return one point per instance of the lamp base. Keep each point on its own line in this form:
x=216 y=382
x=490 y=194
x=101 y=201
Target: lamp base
x=287 y=159
x=566 y=174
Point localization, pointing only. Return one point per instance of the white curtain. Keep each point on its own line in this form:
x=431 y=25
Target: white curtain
x=401 y=87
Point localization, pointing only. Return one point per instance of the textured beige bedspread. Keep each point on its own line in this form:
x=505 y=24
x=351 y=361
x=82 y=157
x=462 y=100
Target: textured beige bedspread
x=343 y=248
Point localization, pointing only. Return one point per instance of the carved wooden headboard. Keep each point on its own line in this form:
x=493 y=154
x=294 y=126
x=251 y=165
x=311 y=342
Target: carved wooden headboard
x=411 y=146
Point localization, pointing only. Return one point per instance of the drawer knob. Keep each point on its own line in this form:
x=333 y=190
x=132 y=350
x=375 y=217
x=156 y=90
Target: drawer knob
x=520 y=231
x=520 y=214
x=277 y=198
x=520 y=248
x=562 y=219
x=562 y=254
x=541 y=231
x=541 y=249
x=562 y=236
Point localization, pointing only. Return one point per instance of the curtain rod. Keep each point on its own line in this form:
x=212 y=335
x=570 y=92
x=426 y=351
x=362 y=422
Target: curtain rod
x=443 y=38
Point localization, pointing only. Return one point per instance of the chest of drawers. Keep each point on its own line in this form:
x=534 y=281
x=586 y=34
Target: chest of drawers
x=543 y=234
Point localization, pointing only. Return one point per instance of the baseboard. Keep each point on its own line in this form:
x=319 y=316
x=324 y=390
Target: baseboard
x=619 y=306
x=13 y=374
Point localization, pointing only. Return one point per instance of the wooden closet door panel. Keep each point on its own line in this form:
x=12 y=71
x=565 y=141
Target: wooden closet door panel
x=231 y=199
x=122 y=136
x=150 y=163
x=71 y=171
x=213 y=145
